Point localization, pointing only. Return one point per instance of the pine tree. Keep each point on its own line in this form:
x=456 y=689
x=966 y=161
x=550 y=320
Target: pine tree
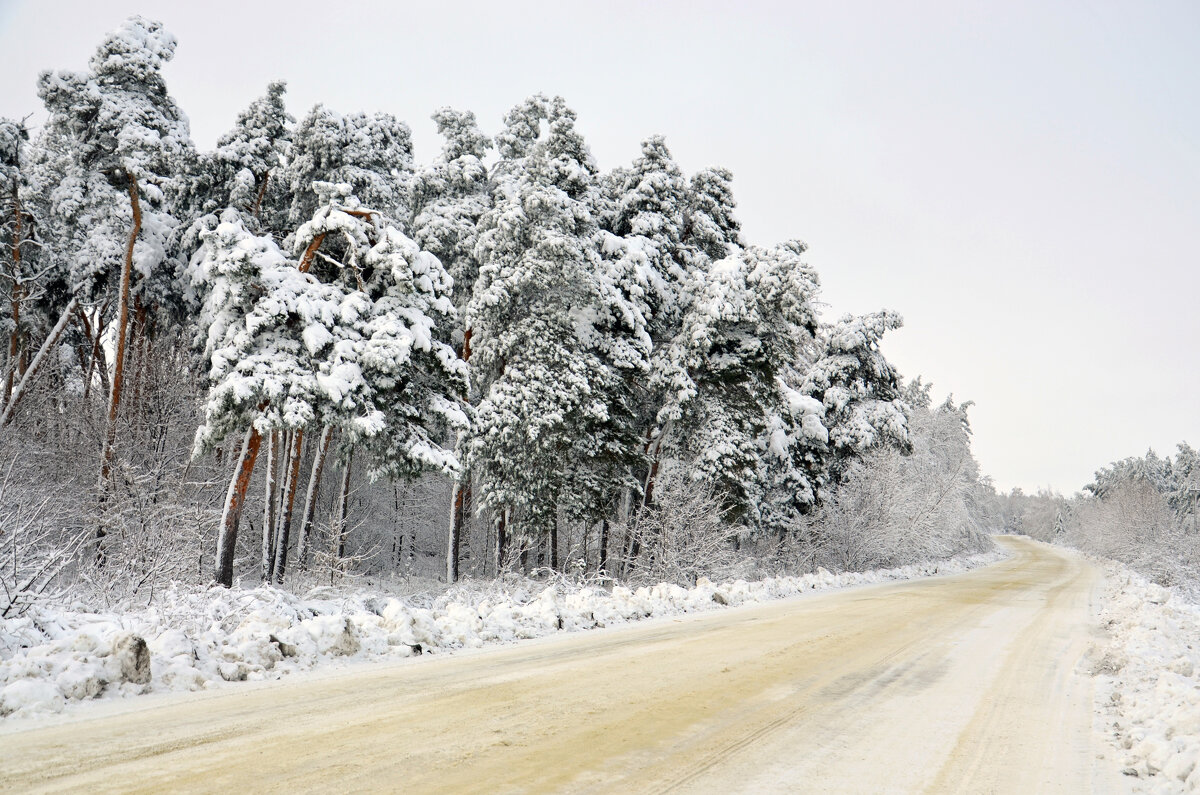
x=245 y=171
x=729 y=409
x=449 y=198
x=109 y=156
x=540 y=313
x=711 y=226
x=858 y=387
x=372 y=153
x=14 y=238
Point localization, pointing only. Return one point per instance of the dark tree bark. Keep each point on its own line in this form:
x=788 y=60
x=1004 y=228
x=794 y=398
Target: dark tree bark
x=343 y=507
x=501 y=540
x=291 y=476
x=235 y=499
x=460 y=497
x=603 y=545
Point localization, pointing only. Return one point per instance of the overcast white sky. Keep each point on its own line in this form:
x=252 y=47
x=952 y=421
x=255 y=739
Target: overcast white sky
x=1020 y=179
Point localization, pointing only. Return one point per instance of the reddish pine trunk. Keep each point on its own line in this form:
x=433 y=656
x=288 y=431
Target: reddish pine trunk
x=97 y=363
x=114 y=395
x=289 y=501
x=235 y=499
x=262 y=191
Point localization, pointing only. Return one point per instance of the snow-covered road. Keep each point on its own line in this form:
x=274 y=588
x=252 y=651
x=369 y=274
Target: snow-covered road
x=951 y=684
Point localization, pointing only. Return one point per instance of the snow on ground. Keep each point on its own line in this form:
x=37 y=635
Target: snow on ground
x=1147 y=691
x=190 y=640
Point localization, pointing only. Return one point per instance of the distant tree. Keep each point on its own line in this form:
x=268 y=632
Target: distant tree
x=245 y=171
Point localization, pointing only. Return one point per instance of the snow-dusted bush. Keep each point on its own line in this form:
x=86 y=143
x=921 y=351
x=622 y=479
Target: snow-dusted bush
x=892 y=509
x=681 y=537
x=1133 y=523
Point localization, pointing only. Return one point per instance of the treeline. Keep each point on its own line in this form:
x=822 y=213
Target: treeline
x=537 y=362
x=1141 y=511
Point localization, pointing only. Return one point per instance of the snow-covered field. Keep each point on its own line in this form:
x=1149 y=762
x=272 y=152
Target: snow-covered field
x=51 y=658
x=1148 y=682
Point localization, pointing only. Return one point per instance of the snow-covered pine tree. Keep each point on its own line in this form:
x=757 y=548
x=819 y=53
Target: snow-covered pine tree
x=649 y=215
x=711 y=227
x=14 y=236
x=730 y=418
x=262 y=324
x=245 y=171
x=372 y=153
x=543 y=356
x=352 y=347
x=858 y=387
x=110 y=154
x=448 y=199
x=646 y=213
x=450 y=196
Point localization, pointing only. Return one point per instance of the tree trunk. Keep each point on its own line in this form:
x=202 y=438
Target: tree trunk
x=15 y=334
x=291 y=476
x=460 y=497
x=310 y=499
x=603 y=546
x=343 y=508
x=271 y=487
x=554 y=544
x=97 y=363
x=235 y=498
x=30 y=371
x=456 y=525
x=114 y=395
x=262 y=191
x=138 y=352
x=501 y=540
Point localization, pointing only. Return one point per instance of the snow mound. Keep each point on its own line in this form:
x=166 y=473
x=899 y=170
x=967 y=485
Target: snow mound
x=1147 y=692
x=193 y=640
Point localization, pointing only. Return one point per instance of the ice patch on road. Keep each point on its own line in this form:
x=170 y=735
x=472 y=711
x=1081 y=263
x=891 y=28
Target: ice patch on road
x=193 y=640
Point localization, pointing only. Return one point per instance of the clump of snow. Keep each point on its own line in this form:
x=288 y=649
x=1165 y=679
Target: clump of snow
x=194 y=640
x=1147 y=692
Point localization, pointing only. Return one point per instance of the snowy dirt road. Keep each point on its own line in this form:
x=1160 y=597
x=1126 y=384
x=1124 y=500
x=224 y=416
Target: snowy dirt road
x=951 y=684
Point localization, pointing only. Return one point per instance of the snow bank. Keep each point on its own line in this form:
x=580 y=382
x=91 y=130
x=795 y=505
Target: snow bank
x=1147 y=687
x=197 y=640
